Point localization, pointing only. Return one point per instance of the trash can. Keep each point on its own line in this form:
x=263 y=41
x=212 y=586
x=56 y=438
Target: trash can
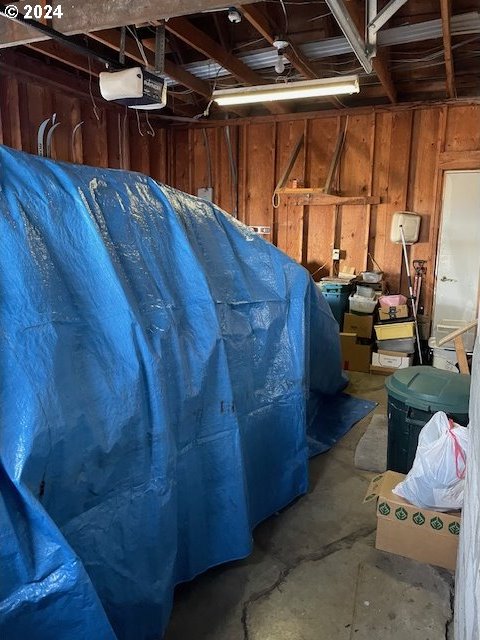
x=414 y=395
x=336 y=294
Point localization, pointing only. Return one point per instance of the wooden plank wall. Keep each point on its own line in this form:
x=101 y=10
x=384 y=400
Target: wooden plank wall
x=107 y=138
x=394 y=154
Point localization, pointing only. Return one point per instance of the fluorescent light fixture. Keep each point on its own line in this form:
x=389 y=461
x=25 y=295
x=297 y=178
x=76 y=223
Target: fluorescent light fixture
x=287 y=91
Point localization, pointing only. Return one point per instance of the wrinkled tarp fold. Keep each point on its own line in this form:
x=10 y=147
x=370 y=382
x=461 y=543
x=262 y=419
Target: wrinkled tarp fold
x=157 y=363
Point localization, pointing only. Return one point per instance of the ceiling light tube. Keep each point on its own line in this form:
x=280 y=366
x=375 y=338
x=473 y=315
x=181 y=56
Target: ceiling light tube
x=287 y=91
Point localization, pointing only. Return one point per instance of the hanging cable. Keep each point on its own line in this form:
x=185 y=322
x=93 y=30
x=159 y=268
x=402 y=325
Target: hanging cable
x=95 y=110
x=125 y=138
x=152 y=130
x=138 y=123
x=286 y=15
x=233 y=173
x=139 y=45
x=275 y=200
x=209 y=159
x=120 y=140
x=319 y=269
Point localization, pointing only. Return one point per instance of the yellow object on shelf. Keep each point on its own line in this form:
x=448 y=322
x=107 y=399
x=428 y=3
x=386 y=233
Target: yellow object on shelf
x=395 y=330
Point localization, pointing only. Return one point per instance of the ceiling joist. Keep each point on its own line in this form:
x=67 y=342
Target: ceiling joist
x=83 y=16
x=356 y=19
x=56 y=51
x=186 y=31
x=112 y=39
x=259 y=20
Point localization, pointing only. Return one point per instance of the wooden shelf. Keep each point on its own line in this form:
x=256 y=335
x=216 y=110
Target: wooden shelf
x=317 y=196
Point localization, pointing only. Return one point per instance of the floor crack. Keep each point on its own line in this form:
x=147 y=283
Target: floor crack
x=337 y=545
x=450 y=620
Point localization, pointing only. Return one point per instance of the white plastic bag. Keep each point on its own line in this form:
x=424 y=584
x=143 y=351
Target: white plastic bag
x=436 y=479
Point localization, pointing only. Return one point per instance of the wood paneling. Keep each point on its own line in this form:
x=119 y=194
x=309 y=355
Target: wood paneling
x=397 y=155
x=108 y=137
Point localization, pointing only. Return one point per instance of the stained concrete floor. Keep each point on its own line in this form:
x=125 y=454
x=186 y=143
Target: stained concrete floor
x=314 y=573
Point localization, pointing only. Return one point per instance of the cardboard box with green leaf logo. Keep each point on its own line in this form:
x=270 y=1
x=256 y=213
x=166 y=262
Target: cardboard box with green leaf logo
x=402 y=528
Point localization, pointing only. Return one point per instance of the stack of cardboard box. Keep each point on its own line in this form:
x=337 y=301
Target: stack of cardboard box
x=356 y=342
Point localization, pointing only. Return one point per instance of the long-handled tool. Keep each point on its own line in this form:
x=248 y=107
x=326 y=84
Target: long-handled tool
x=410 y=292
x=420 y=272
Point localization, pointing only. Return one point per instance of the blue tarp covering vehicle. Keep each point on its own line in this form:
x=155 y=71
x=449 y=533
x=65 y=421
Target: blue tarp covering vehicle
x=161 y=366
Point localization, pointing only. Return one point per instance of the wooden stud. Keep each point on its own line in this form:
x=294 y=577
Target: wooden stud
x=446 y=10
x=380 y=61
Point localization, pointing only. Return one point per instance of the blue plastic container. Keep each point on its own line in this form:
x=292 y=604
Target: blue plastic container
x=336 y=294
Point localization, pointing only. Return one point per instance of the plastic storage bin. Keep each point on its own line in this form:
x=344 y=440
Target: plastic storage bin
x=361 y=304
x=365 y=292
x=372 y=276
x=405 y=345
x=394 y=330
x=443 y=358
x=336 y=294
x=414 y=395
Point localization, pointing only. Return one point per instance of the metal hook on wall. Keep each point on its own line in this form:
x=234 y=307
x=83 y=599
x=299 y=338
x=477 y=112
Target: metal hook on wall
x=44 y=147
x=75 y=129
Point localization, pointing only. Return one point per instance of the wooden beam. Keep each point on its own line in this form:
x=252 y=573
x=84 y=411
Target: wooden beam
x=291 y=161
x=81 y=16
x=380 y=66
x=60 y=53
x=332 y=171
x=186 y=31
x=111 y=38
x=316 y=196
x=461 y=160
x=259 y=20
x=380 y=61
x=90 y=15
x=41 y=73
x=445 y=9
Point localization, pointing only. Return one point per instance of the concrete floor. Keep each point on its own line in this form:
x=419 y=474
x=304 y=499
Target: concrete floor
x=314 y=573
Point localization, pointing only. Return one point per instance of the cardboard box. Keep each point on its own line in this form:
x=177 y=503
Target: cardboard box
x=393 y=313
x=355 y=356
x=421 y=534
x=381 y=371
x=391 y=359
x=361 y=325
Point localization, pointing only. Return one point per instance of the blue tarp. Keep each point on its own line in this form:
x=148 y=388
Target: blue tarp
x=157 y=363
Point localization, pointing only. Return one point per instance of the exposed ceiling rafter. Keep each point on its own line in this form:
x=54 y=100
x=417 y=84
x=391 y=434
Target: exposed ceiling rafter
x=82 y=16
x=60 y=53
x=352 y=21
x=112 y=39
x=259 y=20
x=194 y=37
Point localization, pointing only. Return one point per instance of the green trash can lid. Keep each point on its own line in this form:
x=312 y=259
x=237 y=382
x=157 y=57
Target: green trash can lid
x=430 y=389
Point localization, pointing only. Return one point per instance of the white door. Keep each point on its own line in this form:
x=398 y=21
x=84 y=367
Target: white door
x=458 y=259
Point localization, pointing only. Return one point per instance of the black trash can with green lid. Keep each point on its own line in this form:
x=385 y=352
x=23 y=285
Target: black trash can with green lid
x=414 y=395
